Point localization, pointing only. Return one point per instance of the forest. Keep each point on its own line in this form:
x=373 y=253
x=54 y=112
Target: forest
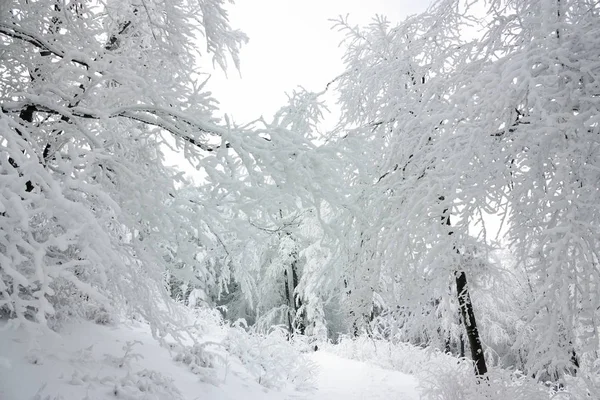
x=454 y=206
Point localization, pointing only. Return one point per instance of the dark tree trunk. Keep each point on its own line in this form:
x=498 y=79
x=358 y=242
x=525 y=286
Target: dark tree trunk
x=299 y=321
x=289 y=298
x=295 y=321
x=466 y=310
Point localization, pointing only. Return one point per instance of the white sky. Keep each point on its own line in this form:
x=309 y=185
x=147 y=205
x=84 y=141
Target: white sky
x=291 y=44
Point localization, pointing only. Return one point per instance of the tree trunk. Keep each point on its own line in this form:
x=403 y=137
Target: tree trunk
x=466 y=310
x=289 y=298
x=295 y=321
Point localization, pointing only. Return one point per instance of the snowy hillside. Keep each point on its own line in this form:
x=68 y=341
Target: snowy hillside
x=91 y=361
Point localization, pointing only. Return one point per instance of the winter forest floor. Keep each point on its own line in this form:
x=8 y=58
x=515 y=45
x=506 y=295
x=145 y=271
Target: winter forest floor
x=341 y=378
x=89 y=361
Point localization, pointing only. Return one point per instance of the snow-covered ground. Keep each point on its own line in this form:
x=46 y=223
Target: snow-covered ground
x=89 y=361
x=340 y=378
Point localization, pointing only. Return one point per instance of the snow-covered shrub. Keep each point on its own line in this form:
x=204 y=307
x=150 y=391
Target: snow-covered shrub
x=128 y=356
x=441 y=376
x=456 y=381
x=271 y=358
x=200 y=359
x=403 y=357
x=142 y=385
x=203 y=321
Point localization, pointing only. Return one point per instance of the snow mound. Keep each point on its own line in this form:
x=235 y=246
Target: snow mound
x=90 y=361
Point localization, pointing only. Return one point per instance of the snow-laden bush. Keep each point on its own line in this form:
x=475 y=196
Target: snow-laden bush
x=442 y=380
x=201 y=359
x=271 y=358
x=441 y=376
x=403 y=357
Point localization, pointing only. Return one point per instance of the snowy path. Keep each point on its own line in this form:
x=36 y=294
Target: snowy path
x=352 y=380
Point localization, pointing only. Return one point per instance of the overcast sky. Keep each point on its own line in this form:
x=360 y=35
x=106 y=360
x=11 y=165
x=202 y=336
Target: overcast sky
x=291 y=44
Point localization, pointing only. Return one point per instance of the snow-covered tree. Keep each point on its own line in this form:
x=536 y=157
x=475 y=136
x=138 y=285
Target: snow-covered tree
x=393 y=100
x=534 y=108
x=503 y=123
x=277 y=197
x=91 y=95
x=88 y=209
